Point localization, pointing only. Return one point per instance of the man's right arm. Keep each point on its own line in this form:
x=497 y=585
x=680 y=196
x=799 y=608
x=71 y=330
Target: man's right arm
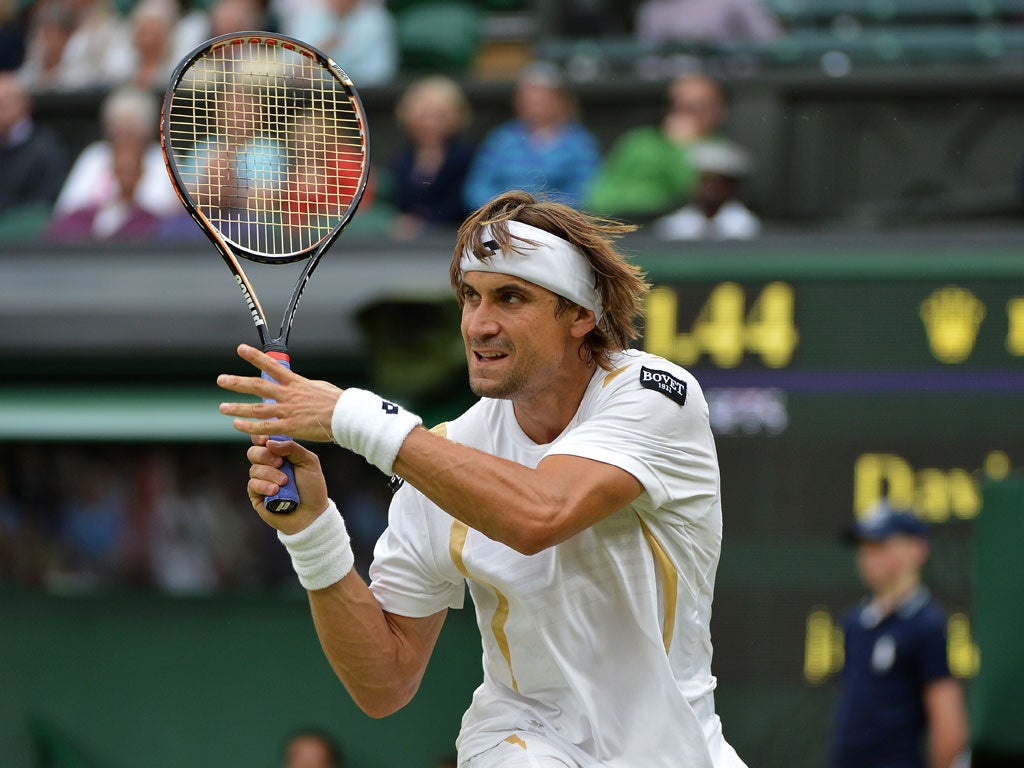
x=380 y=657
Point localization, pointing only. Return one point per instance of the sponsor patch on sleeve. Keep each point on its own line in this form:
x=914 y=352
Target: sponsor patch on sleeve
x=666 y=383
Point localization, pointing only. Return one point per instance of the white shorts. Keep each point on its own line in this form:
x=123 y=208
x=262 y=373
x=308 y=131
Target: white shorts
x=521 y=750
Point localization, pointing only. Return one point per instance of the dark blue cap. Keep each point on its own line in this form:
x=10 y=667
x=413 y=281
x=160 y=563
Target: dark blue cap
x=885 y=521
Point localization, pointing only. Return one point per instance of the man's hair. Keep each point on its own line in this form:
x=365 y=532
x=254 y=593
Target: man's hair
x=622 y=285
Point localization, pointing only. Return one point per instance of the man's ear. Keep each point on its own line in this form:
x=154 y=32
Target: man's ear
x=584 y=321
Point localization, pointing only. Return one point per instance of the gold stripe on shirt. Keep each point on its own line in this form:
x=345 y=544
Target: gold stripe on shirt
x=517 y=740
x=669 y=583
x=456 y=543
x=608 y=379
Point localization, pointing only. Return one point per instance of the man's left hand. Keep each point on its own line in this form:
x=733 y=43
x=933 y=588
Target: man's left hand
x=302 y=407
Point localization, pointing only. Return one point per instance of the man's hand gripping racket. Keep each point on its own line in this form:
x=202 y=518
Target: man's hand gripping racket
x=266 y=142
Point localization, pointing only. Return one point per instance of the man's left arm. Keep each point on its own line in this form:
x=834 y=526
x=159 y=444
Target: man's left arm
x=527 y=509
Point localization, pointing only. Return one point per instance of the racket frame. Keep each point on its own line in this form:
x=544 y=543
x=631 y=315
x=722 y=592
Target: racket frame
x=287 y=500
x=228 y=249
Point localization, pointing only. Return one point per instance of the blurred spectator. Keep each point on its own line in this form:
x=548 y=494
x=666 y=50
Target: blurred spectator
x=13 y=35
x=1020 y=181
x=34 y=163
x=717 y=211
x=705 y=21
x=93 y=529
x=897 y=690
x=85 y=62
x=50 y=29
x=191 y=545
x=193 y=26
x=147 y=55
x=429 y=174
x=648 y=170
x=590 y=18
x=235 y=163
x=158 y=529
x=13 y=531
x=358 y=34
x=30 y=499
x=130 y=117
x=117 y=217
x=227 y=16
x=543 y=150
x=312 y=748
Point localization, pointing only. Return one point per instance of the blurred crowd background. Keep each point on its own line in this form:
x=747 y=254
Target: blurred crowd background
x=469 y=98
x=81 y=81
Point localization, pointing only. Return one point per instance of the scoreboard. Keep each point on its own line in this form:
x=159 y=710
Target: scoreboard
x=836 y=377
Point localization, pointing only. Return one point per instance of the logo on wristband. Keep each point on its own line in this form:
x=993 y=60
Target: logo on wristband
x=389 y=408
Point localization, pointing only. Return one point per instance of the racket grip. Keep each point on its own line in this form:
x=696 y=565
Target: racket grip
x=286 y=500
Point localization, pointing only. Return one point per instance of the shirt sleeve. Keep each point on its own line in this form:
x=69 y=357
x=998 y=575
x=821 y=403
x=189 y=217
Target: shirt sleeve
x=657 y=429
x=412 y=573
x=933 y=659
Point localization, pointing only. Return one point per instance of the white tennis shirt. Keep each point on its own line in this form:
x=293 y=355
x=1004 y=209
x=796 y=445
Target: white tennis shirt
x=600 y=644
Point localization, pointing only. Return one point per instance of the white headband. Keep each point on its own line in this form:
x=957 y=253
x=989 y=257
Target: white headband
x=550 y=262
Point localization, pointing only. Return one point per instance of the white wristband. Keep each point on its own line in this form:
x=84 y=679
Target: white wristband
x=321 y=552
x=371 y=426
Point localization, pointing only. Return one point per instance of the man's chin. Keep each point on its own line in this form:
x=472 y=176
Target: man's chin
x=492 y=388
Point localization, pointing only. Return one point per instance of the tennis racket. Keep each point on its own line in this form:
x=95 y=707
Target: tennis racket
x=265 y=140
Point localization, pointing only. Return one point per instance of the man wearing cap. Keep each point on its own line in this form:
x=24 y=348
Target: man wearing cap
x=896 y=685
x=717 y=210
x=579 y=498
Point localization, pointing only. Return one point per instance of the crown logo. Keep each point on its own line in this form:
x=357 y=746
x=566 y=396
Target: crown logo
x=952 y=317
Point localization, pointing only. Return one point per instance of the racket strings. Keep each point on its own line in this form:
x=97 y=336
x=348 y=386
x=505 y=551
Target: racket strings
x=268 y=143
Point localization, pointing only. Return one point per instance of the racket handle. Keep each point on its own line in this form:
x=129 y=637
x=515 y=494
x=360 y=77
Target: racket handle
x=286 y=500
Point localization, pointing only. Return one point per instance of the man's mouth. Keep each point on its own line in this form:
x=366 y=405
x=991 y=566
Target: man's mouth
x=489 y=356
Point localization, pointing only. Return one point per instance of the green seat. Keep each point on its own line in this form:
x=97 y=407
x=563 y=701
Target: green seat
x=24 y=223
x=440 y=36
x=802 y=13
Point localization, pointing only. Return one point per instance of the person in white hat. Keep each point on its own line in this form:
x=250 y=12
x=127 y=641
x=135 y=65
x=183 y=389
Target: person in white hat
x=717 y=210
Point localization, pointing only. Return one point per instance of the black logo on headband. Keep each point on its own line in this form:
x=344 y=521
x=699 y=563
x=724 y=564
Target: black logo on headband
x=491 y=245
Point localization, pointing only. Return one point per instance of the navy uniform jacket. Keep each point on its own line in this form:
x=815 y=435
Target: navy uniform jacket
x=889 y=661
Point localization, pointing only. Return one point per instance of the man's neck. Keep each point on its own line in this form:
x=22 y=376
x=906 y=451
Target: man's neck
x=545 y=415
x=892 y=597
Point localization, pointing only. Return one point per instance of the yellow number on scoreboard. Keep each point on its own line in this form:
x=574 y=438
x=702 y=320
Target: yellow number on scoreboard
x=724 y=329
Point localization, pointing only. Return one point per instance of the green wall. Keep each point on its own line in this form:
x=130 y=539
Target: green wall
x=131 y=680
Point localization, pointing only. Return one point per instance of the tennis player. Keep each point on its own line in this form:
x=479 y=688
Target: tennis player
x=579 y=498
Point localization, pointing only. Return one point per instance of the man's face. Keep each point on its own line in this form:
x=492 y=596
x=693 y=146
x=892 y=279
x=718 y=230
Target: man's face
x=308 y=752
x=539 y=106
x=516 y=345
x=700 y=100
x=13 y=103
x=713 y=191
x=883 y=564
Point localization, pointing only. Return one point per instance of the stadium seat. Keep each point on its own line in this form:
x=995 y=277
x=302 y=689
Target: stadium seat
x=802 y=13
x=438 y=36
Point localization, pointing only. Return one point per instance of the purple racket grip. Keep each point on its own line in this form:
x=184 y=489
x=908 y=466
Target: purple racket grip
x=286 y=500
